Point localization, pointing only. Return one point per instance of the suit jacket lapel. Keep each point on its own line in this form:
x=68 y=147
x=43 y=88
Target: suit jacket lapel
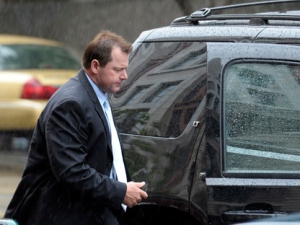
x=98 y=107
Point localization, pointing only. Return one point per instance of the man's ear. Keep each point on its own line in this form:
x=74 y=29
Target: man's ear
x=94 y=65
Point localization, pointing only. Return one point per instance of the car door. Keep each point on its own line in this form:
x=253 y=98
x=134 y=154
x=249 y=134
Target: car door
x=253 y=131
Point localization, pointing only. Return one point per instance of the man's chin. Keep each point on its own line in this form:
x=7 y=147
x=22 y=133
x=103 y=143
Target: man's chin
x=116 y=89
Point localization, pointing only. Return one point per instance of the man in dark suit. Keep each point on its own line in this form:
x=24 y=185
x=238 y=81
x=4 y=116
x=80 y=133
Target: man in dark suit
x=70 y=174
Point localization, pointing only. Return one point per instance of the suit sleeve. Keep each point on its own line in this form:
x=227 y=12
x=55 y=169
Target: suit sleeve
x=67 y=140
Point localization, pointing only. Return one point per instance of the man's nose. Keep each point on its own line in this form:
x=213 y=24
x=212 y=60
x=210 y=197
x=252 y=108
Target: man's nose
x=124 y=75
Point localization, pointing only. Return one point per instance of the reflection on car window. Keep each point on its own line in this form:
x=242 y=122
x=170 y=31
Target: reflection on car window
x=18 y=57
x=262 y=123
x=165 y=91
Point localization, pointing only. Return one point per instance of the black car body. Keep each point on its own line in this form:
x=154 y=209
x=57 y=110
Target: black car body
x=210 y=118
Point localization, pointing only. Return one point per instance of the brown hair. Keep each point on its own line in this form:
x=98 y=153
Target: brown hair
x=101 y=46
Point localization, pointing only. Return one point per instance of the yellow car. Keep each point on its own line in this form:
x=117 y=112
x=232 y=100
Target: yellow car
x=31 y=70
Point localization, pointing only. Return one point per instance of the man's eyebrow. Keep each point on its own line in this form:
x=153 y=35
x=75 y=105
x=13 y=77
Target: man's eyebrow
x=120 y=67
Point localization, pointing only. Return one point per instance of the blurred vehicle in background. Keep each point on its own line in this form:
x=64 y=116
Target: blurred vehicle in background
x=31 y=70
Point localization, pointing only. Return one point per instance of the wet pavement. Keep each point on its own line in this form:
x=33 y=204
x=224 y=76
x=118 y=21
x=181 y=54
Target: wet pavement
x=11 y=167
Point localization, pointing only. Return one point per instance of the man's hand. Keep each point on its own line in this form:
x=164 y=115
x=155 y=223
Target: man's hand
x=134 y=193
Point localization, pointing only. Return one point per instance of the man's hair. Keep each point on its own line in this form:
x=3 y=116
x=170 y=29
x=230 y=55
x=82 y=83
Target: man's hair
x=101 y=46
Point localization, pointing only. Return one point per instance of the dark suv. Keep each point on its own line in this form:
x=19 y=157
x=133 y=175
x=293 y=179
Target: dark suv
x=210 y=116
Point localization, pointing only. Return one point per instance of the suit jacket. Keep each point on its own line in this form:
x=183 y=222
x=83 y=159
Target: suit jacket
x=66 y=177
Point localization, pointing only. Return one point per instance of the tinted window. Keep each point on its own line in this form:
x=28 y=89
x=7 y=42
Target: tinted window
x=164 y=89
x=262 y=117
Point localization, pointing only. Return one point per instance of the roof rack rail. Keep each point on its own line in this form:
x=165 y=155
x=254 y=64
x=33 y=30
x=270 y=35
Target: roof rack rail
x=206 y=13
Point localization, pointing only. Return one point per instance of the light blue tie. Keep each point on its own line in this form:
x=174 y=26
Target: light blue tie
x=106 y=111
x=118 y=163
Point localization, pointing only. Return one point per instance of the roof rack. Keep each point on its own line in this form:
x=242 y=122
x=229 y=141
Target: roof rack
x=206 y=13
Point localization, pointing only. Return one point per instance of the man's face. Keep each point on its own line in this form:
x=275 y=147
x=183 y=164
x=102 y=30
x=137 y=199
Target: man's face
x=110 y=77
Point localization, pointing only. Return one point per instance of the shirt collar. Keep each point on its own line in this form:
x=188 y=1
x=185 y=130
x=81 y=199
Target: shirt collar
x=102 y=97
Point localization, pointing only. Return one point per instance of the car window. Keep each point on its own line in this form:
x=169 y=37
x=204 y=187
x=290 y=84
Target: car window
x=166 y=87
x=16 y=57
x=261 y=117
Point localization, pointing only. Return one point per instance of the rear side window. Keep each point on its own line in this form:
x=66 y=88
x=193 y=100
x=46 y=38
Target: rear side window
x=262 y=117
x=166 y=83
